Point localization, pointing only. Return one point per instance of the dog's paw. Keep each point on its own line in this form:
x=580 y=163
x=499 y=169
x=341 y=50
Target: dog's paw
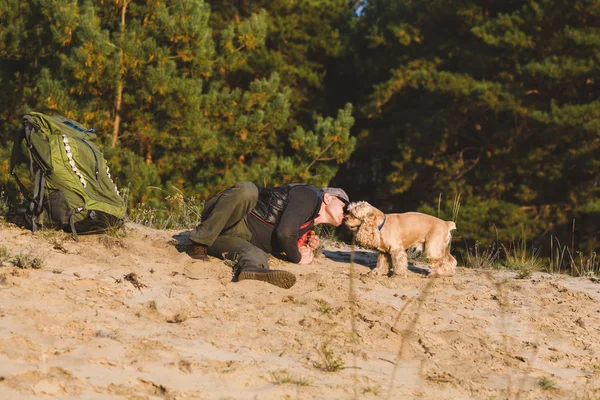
x=441 y=273
x=399 y=275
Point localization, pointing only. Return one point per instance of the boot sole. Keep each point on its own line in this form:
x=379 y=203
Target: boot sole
x=283 y=279
x=197 y=256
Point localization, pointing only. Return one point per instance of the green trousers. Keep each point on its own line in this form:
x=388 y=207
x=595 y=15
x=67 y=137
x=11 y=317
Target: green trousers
x=224 y=228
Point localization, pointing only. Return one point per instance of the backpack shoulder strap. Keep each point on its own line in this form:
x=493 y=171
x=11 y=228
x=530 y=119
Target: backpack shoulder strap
x=39 y=174
x=14 y=160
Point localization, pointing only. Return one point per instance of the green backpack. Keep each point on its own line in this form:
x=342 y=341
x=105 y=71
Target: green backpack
x=72 y=187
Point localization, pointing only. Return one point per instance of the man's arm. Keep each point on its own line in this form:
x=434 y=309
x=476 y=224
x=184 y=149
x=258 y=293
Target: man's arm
x=301 y=205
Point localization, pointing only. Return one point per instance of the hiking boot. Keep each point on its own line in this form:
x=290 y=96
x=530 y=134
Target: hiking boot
x=283 y=279
x=197 y=251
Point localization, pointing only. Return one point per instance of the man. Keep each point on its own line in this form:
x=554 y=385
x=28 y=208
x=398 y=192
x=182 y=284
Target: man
x=244 y=223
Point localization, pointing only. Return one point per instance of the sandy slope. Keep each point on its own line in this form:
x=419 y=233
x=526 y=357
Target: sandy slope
x=77 y=329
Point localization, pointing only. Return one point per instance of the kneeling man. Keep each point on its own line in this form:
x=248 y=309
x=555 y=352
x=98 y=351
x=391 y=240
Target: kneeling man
x=245 y=223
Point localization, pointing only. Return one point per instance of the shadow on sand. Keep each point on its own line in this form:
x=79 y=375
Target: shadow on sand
x=183 y=241
x=365 y=258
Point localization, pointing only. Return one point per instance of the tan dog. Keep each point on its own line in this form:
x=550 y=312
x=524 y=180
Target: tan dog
x=392 y=234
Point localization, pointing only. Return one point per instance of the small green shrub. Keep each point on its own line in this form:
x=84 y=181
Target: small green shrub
x=178 y=213
x=521 y=258
x=486 y=259
x=113 y=236
x=283 y=377
x=374 y=390
x=330 y=361
x=546 y=383
x=524 y=273
x=4 y=253
x=22 y=260
x=4 y=207
x=324 y=307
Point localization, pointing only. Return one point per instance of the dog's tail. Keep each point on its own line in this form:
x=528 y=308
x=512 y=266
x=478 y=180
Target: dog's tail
x=450 y=225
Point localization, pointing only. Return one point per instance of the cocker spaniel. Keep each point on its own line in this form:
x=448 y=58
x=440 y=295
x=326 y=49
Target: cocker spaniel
x=392 y=234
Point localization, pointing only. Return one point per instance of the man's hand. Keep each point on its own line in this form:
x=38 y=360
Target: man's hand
x=307 y=255
x=312 y=240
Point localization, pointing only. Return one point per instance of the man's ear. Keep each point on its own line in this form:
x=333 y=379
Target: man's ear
x=327 y=198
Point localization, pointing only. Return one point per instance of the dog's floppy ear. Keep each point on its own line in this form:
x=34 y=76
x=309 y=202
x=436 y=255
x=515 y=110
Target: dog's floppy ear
x=371 y=218
x=367 y=213
x=368 y=233
x=378 y=216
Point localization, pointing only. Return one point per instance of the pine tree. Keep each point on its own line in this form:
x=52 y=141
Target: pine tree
x=304 y=38
x=497 y=100
x=153 y=79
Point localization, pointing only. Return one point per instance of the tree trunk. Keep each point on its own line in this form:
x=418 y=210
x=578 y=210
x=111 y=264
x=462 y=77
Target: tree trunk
x=119 y=98
x=149 y=152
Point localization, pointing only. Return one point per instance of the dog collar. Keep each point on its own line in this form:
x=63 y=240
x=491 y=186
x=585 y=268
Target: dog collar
x=383 y=223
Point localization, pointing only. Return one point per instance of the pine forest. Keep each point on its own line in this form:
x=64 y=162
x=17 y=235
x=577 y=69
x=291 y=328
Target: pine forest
x=482 y=111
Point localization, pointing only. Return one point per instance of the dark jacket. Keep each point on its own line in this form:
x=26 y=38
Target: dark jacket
x=282 y=215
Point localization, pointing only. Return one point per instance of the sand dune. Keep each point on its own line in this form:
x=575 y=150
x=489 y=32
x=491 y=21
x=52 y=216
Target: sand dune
x=136 y=318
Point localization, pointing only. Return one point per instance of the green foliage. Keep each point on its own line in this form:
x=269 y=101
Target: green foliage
x=159 y=85
x=495 y=100
x=330 y=141
x=481 y=219
x=302 y=38
x=178 y=212
x=134 y=176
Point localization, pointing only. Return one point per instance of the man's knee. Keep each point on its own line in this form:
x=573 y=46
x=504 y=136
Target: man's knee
x=247 y=191
x=239 y=250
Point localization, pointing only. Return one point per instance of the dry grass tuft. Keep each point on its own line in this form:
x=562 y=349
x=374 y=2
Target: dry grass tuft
x=283 y=377
x=324 y=307
x=521 y=259
x=293 y=300
x=486 y=259
x=178 y=318
x=113 y=236
x=56 y=238
x=330 y=361
x=562 y=259
x=178 y=213
x=23 y=260
x=374 y=390
x=4 y=253
x=4 y=206
x=546 y=383
x=185 y=366
x=135 y=281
